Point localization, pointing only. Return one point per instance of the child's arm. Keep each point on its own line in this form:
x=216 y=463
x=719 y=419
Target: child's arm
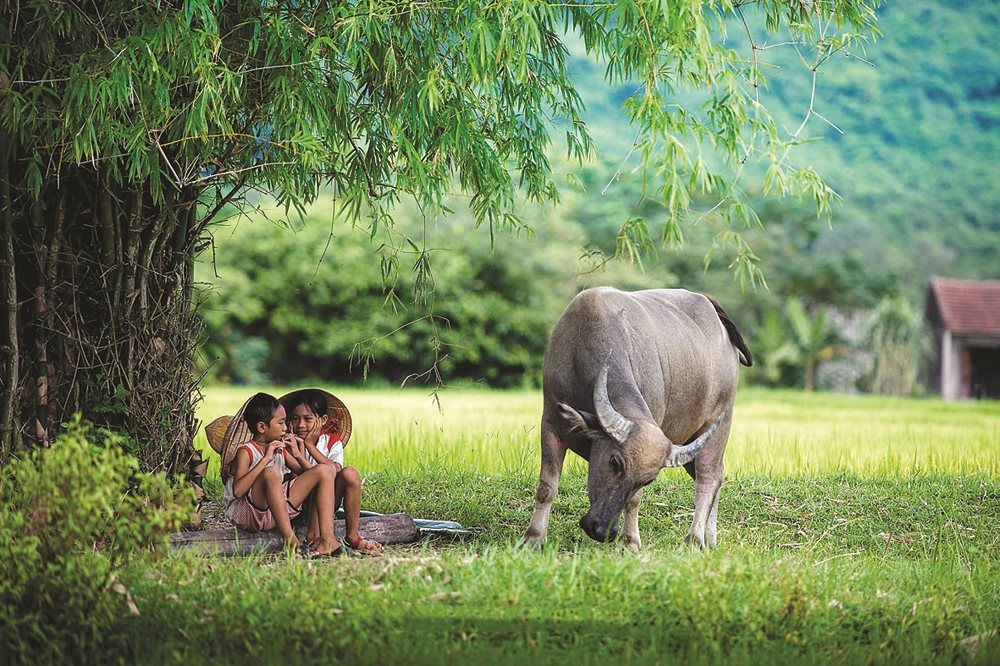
x=295 y=454
x=334 y=455
x=245 y=476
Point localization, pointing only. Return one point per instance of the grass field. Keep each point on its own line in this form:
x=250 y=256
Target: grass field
x=852 y=530
x=774 y=432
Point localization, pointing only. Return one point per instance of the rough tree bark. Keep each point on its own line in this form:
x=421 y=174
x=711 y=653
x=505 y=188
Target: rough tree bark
x=97 y=314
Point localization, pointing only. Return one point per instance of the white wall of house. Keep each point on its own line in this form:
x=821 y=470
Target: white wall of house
x=951 y=367
x=956 y=369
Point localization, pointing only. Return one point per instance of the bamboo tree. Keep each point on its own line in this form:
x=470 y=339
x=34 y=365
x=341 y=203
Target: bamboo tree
x=11 y=349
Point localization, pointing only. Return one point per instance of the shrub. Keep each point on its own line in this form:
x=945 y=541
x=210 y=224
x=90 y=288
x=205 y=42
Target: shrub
x=70 y=517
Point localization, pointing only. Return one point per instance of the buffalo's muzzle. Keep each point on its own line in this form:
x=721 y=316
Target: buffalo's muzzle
x=599 y=530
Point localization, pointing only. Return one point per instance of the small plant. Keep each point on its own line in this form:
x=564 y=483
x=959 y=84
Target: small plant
x=70 y=517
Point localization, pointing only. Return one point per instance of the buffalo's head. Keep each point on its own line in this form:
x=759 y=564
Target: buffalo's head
x=625 y=455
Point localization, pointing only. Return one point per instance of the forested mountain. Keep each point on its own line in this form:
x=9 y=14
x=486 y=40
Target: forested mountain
x=911 y=143
x=906 y=132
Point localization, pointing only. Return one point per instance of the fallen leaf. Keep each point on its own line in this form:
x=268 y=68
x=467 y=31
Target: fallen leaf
x=122 y=590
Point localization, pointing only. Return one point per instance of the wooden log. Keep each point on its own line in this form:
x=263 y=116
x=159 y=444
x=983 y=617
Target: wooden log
x=387 y=529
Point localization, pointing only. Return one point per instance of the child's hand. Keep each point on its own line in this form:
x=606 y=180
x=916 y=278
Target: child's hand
x=294 y=445
x=274 y=449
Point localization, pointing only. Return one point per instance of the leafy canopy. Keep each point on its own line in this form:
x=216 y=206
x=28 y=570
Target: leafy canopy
x=383 y=99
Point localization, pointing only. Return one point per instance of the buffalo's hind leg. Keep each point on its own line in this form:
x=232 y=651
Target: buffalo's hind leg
x=553 y=456
x=711 y=528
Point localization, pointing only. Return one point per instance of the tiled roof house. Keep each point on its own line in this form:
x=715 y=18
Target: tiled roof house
x=965 y=318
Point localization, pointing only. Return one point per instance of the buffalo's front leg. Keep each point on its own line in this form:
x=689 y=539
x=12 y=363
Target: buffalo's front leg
x=706 y=500
x=553 y=456
x=630 y=531
x=707 y=471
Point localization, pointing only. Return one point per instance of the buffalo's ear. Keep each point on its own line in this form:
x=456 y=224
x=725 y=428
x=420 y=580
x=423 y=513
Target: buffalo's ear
x=585 y=422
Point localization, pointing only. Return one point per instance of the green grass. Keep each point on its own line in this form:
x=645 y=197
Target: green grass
x=852 y=530
x=774 y=432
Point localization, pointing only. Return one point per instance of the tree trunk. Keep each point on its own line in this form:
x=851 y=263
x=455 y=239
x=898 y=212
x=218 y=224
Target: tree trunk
x=391 y=528
x=10 y=350
x=97 y=312
x=810 y=372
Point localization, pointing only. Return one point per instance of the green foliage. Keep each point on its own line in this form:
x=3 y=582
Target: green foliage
x=315 y=294
x=911 y=140
x=912 y=158
x=315 y=301
x=898 y=338
x=812 y=337
x=775 y=355
x=71 y=517
x=380 y=101
x=126 y=129
x=377 y=99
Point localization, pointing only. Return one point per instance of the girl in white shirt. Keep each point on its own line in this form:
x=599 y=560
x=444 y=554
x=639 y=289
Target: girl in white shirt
x=312 y=417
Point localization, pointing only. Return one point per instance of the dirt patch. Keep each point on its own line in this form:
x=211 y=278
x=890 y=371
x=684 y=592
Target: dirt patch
x=213 y=516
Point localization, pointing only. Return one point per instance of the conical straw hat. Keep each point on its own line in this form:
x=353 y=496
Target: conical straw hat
x=216 y=431
x=237 y=432
x=336 y=410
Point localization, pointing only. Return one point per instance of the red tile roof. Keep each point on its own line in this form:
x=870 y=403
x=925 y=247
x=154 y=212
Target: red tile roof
x=968 y=306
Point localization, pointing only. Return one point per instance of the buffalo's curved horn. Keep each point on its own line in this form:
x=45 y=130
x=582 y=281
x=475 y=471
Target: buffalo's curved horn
x=682 y=455
x=613 y=423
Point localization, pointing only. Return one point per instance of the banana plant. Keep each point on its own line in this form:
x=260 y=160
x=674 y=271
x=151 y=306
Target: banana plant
x=812 y=337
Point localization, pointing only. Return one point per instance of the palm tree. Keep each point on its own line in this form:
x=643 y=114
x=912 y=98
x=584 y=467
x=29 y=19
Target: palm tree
x=773 y=350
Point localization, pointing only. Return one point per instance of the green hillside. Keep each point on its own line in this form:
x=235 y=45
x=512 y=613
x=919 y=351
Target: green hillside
x=914 y=151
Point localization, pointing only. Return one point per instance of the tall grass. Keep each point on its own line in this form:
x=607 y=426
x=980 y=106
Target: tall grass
x=774 y=432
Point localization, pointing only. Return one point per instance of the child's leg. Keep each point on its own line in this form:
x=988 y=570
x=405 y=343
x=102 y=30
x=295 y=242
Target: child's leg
x=349 y=488
x=313 y=533
x=269 y=485
x=348 y=491
x=318 y=481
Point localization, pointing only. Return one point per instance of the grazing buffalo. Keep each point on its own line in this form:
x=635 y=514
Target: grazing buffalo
x=634 y=382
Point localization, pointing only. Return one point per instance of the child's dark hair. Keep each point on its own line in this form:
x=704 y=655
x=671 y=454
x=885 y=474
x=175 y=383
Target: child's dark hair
x=312 y=399
x=260 y=409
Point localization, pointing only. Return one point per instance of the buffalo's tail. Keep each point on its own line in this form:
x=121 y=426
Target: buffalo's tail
x=746 y=358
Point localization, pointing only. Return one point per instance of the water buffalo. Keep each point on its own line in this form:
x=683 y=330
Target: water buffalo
x=659 y=370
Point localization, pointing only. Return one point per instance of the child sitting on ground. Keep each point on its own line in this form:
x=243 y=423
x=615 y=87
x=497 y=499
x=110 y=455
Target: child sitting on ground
x=312 y=418
x=261 y=494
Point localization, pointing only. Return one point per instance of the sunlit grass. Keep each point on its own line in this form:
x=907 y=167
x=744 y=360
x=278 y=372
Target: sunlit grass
x=853 y=529
x=774 y=432
x=406 y=428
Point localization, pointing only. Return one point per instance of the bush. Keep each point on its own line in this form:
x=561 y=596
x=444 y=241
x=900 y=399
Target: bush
x=70 y=517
